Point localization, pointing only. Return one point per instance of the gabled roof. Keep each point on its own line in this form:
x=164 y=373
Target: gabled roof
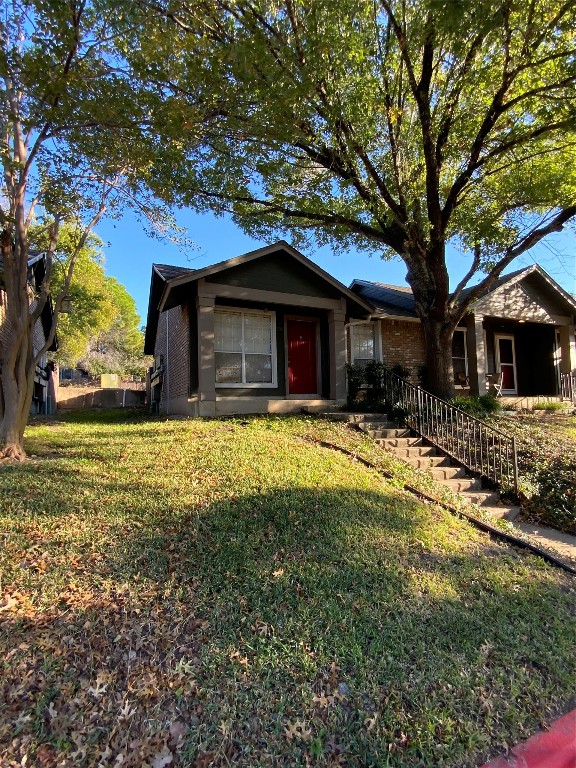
x=36 y=273
x=167 y=272
x=398 y=300
x=167 y=279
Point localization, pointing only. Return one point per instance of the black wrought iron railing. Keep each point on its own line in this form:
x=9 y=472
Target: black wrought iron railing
x=568 y=386
x=481 y=448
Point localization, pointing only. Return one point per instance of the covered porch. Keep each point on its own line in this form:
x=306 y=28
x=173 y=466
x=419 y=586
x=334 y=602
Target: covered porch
x=522 y=362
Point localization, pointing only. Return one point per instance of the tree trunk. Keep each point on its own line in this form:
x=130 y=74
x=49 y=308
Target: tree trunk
x=17 y=364
x=439 y=377
x=17 y=392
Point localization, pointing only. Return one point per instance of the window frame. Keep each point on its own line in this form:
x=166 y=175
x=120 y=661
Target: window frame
x=377 y=342
x=243 y=384
x=464 y=331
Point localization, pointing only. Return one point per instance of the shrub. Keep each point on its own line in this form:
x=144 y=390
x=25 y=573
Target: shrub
x=401 y=370
x=478 y=406
x=552 y=406
x=355 y=378
x=374 y=374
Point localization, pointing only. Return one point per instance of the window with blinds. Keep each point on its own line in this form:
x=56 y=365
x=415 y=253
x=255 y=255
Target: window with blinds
x=244 y=348
x=363 y=343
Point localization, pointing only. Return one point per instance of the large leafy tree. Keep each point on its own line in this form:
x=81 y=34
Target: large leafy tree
x=396 y=126
x=102 y=332
x=74 y=146
x=117 y=347
x=93 y=306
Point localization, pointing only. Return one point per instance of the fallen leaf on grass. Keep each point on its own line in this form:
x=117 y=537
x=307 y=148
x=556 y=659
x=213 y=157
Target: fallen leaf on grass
x=238 y=658
x=297 y=730
x=163 y=758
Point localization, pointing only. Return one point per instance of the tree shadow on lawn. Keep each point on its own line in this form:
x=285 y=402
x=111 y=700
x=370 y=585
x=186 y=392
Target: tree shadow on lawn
x=294 y=625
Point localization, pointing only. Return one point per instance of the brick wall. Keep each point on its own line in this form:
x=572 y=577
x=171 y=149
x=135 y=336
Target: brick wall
x=403 y=344
x=176 y=354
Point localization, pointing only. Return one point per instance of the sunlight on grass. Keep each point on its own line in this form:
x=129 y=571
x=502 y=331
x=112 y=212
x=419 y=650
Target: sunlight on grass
x=227 y=592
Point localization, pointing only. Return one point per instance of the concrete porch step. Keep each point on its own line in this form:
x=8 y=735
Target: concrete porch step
x=502 y=512
x=375 y=429
x=388 y=433
x=462 y=484
x=403 y=442
x=413 y=451
x=449 y=474
x=481 y=498
x=428 y=462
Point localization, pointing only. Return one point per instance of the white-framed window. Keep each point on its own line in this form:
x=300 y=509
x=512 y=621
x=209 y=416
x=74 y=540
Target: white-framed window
x=245 y=348
x=460 y=357
x=364 y=343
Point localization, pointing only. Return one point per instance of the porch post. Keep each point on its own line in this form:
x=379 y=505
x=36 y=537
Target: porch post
x=476 y=356
x=206 y=362
x=337 y=346
x=567 y=348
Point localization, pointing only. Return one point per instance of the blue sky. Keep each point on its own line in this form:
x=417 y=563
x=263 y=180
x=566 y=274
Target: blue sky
x=130 y=254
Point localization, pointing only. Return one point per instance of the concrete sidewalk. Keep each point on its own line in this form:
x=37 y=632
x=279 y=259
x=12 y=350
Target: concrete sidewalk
x=564 y=544
x=554 y=748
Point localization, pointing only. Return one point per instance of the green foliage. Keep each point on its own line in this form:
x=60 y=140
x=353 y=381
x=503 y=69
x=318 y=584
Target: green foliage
x=117 y=348
x=358 y=142
x=551 y=406
x=374 y=374
x=355 y=380
x=75 y=144
x=547 y=467
x=479 y=406
x=401 y=370
x=395 y=131
x=102 y=332
x=92 y=305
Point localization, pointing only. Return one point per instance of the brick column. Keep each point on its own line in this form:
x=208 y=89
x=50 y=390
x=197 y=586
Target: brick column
x=337 y=346
x=206 y=362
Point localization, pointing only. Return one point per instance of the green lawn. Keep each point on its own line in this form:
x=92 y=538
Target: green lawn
x=228 y=593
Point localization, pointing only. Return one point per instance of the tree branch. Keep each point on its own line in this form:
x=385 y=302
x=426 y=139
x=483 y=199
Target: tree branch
x=531 y=239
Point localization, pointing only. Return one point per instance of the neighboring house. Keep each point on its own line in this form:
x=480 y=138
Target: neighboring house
x=519 y=336
x=270 y=331
x=45 y=381
x=264 y=332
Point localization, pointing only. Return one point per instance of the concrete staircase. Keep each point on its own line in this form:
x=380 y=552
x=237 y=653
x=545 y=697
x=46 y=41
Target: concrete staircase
x=413 y=450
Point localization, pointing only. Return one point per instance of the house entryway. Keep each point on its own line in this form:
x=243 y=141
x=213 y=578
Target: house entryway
x=506 y=362
x=302 y=357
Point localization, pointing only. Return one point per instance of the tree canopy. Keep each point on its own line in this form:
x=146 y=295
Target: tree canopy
x=75 y=145
x=395 y=126
x=102 y=332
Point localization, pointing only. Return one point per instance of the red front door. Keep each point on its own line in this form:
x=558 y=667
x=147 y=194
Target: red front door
x=302 y=378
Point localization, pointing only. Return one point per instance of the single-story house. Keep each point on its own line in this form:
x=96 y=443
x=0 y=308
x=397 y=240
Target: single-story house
x=263 y=332
x=45 y=382
x=270 y=331
x=518 y=336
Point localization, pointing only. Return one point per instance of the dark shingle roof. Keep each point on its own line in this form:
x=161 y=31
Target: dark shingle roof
x=390 y=299
x=168 y=272
x=398 y=299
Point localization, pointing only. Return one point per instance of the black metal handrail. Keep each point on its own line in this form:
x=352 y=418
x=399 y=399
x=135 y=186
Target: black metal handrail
x=568 y=386
x=481 y=448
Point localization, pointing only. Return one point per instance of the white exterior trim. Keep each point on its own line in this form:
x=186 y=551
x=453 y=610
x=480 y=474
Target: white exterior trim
x=497 y=337
x=252 y=385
